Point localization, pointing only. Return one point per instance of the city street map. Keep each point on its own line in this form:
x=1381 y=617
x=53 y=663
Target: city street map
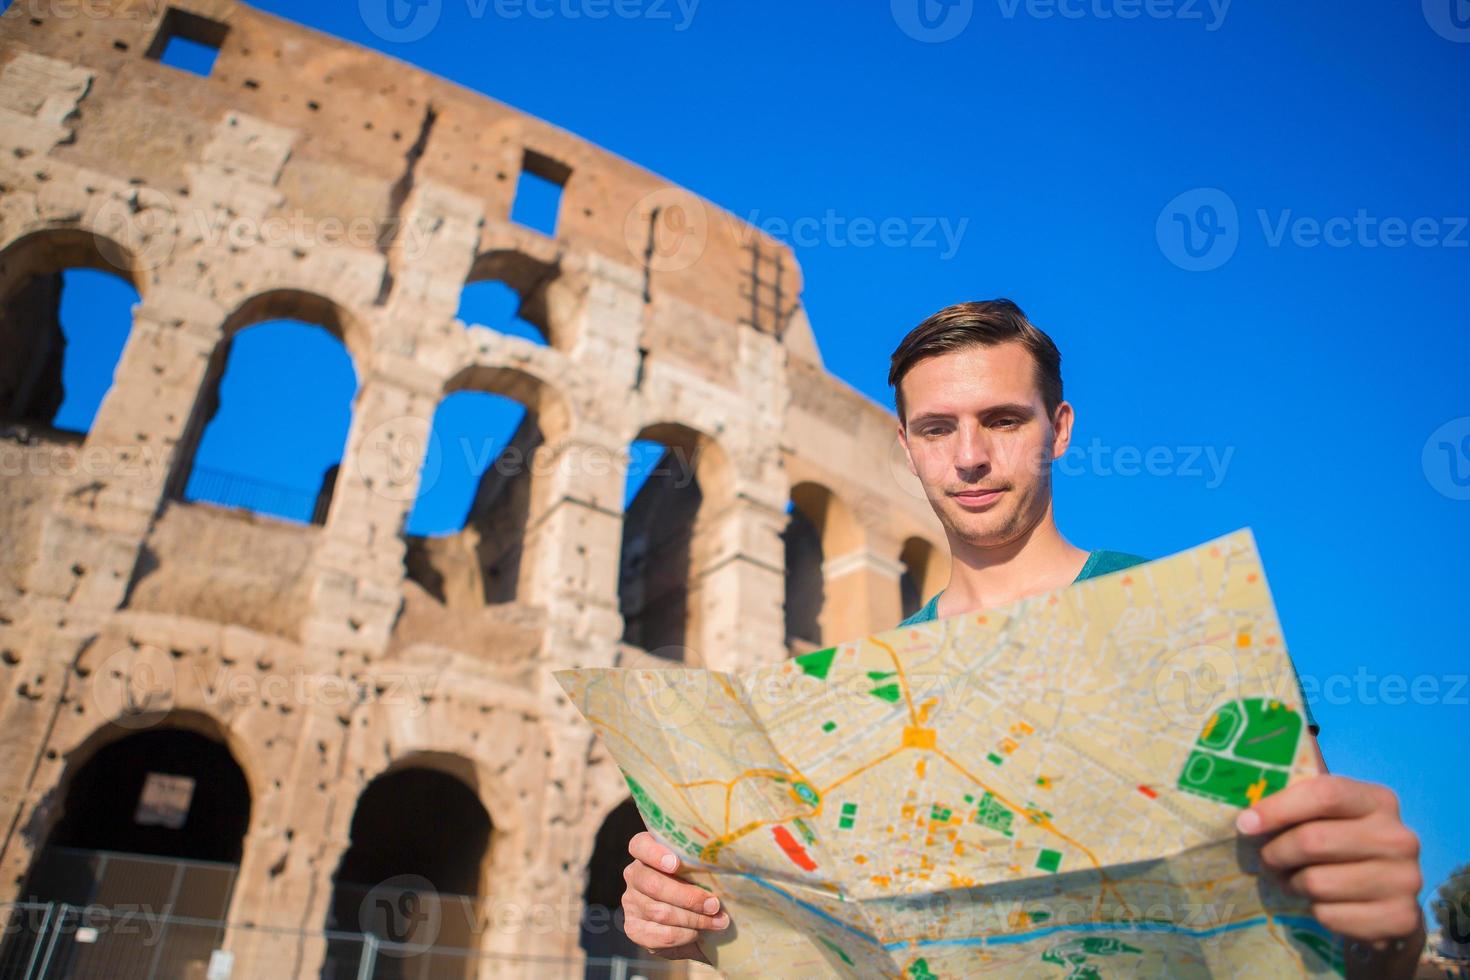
x=1043 y=789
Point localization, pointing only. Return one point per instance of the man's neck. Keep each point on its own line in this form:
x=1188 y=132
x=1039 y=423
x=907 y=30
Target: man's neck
x=981 y=578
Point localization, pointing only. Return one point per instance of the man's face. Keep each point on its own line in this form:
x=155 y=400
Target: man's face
x=979 y=440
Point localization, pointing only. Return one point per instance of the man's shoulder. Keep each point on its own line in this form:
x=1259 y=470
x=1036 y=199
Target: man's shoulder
x=1103 y=562
x=924 y=615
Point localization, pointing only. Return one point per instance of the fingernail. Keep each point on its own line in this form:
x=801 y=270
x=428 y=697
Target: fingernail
x=722 y=921
x=711 y=905
x=1249 y=822
x=668 y=862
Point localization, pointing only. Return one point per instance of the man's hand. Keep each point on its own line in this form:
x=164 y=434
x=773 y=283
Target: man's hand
x=1340 y=843
x=662 y=912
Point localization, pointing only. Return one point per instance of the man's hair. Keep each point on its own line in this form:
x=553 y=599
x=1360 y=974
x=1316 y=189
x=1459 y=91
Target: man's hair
x=983 y=323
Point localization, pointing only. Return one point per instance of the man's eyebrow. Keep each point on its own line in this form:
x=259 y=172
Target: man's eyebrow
x=1010 y=408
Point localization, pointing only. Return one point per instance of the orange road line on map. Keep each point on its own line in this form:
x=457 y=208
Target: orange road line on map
x=1046 y=824
x=729 y=785
x=864 y=768
x=639 y=749
x=1271 y=930
x=735 y=697
x=903 y=680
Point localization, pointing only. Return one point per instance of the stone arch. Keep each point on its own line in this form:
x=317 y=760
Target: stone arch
x=668 y=541
x=281 y=304
x=923 y=573
x=821 y=529
x=602 y=914
x=32 y=267
x=532 y=278
x=149 y=817
x=481 y=564
x=417 y=892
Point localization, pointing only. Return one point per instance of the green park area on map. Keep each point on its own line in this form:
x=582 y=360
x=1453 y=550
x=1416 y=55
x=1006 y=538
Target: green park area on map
x=1043 y=789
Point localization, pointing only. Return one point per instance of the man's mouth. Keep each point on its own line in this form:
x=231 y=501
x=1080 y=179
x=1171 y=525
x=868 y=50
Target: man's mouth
x=978 y=498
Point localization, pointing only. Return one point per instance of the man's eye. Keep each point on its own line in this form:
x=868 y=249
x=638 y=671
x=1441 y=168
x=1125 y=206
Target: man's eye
x=1008 y=423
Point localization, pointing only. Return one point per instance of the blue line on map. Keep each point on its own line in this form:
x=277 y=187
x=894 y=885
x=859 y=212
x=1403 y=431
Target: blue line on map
x=1025 y=937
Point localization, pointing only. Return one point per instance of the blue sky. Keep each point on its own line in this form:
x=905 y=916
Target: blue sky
x=1297 y=364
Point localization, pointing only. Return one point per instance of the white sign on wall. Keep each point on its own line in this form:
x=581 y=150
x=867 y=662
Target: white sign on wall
x=164 y=801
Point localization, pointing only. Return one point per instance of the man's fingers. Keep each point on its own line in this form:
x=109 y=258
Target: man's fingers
x=670 y=890
x=1358 y=881
x=1336 y=841
x=637 y=905
x=645 y=848
x=1315 y=798
x=658 y=937
x=1369 y=921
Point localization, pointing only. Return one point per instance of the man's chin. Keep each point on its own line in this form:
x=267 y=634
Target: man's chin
x=985 y=530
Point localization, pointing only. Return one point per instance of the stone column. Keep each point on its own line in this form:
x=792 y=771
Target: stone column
x=357 y=571
x=862 y=595
x=124 y=465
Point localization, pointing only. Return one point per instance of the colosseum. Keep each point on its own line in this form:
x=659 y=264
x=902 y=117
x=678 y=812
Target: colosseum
x=240 y=744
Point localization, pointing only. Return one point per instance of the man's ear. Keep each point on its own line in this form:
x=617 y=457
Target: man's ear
x=903 y=440
x=1061 y=424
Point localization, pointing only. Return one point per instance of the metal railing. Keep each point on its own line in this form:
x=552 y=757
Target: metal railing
x=224 y=489
x=56 y=940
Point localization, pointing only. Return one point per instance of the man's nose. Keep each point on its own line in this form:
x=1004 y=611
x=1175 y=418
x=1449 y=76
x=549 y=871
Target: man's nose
x=972 y=449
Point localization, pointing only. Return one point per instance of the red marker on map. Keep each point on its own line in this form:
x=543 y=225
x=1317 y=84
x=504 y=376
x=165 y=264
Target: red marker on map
x=794 y=851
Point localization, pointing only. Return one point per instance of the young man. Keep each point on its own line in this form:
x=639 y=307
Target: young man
x=978 y=390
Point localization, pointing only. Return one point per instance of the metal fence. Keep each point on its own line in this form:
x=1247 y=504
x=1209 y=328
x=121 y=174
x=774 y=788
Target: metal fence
x=263 y=497
x=55 y=940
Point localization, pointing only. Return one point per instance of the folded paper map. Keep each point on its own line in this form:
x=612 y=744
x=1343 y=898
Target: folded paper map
x=1043 y=789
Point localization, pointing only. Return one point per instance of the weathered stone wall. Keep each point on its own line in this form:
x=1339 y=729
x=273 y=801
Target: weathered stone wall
x=249 y=629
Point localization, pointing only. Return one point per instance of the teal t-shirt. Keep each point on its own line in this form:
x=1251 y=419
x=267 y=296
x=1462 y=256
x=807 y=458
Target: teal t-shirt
x=1100 y=563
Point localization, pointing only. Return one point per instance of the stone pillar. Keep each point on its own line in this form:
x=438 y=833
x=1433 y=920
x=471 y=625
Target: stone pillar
x=357 y=570
x=863 y=595
x=740 y=590
x=573 y=548
x=124 y=465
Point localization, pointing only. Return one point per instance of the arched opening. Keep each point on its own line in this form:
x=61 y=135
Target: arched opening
x=65 y=315
x=412 y=877
x=804 y=588
x=672 y=472
x=154 y=820
x=602 y=909
x=919 y=580
x=269 y=430
x=507 y=291
x=494 y=304
x=479 y=486
x=819 y=530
